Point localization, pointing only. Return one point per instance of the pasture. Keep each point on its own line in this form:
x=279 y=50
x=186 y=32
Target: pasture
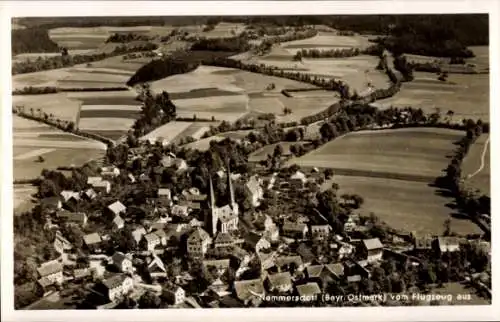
x=56 y=106
x=32 y=139
x=477 y=164
x=405 y=205
x=328 y=40
x=467 y=95
x=224 y=30
x=262 y=153
x=23 y=200
x=419 y=152
x=167 y=131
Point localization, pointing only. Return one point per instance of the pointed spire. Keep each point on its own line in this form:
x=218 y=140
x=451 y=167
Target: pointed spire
x=230 y=186
x=212 y=196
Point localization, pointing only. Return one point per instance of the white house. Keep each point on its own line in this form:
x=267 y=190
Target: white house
x=320 y=232
x=118 y=222
x=103 y=186
x=198 y=242
x=117 y=286
x=152 y=240
x=110 y=171
x=175 y=294
x=254 y=187
x=117 y=208
x=372 y=249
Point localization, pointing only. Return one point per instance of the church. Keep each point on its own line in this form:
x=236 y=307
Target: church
x=223 y=219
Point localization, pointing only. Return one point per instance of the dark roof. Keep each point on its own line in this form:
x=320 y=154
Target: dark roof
x=247 y=289
x=306 y=253
x=114 y=281
x=252 y=238
x=279 y=279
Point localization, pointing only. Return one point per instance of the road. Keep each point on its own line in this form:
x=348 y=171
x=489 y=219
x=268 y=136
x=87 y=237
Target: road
x=483 y=155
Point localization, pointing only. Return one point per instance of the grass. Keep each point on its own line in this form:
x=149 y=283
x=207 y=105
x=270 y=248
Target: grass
x=472 y=163
x=195 y=130
x=57 y=104
x=418 y=152
x=22 y=197
x=111 y=134
x=97 y=99
x=168 y=131
x=200 y=93
x=106 y=123
x=112 y=113
x=466 y=95
x=204 y=144
x=405 y=205
x=261 y=154
x=329 y=39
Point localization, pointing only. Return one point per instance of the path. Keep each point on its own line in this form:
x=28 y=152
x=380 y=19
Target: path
x=483 y=155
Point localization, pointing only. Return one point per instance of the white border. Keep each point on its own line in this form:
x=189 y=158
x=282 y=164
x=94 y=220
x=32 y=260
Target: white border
x=136 y=8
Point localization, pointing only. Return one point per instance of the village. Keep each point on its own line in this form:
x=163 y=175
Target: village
x=128 y=239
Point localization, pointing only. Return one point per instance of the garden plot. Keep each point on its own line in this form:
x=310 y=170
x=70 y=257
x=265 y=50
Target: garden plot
x=55 y=106
x=476 y=165
x=467 y=95
x=418 y=154
x=405 y=205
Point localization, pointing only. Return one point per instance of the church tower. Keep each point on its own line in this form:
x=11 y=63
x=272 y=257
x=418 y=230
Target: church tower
x=214 y=218
x=232 y=201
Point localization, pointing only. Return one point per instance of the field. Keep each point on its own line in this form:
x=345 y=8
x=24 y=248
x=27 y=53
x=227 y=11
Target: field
x=392 y=170
x=466 y=95
x=224 y=30
x=59 y=105
x=419 y=153
x=406 y=205
x=261 y=154
x=476 y=165
x=32 y=139
x=23 y=200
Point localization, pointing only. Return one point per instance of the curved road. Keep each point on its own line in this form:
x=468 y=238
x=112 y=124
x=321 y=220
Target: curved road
x=483 y=155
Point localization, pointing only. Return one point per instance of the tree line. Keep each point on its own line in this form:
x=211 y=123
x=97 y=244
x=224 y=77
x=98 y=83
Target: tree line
x=332 y=53
x=231 y=44
x=127 y=37
x=55 y=62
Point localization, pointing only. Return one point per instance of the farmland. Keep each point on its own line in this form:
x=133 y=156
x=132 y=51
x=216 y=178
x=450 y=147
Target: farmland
x=393 y=170
x=31 y=140
x=407 y=152
x=476 y=165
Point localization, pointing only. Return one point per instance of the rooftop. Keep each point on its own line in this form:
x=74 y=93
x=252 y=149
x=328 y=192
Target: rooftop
x=373 y=243
x=308 y=289
x=247 y=289
x=49 y=268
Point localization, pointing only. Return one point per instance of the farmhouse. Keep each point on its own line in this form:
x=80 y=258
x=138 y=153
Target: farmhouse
x=423 y=243
x=117 y=286
x=103 y=186
x=372 y=249
x=50 y=273
x=223 y=244
x=110 y=172
x=92 y=241
x=77 y=218
x=121 y=262
x=61 y=244
x=67 y=195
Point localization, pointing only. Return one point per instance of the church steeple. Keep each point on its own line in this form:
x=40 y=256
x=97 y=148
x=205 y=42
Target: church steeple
x=212 y=196
x=213 y=216
x=230 y=186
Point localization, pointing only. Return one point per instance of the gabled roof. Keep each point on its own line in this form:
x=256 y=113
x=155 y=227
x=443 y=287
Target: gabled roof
x=306 y=253
x=158 y=263
x=218 y=263
x=198 y=235
x=336 y=269
x=252 y=238
x=77 y=217
x=68 y=194
x=90 y=193
x=138 y=233
x=299 y=176
x=373 y=243
x=253 y=185
x=117 y=207
x=118 y=221
x=314 y=270
x=164 y=192
x=308 y=289
x=223 y=238
x=292 y=226
x=93 y=238
x=118 y=258
x=280 y=279
x=92 y=180
x=49 y=268
x=114 y=281
x=151 y=237
x=247 y=289
x=287 y=260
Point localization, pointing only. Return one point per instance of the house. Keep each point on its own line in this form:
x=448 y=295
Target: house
x=280 y=282
x=97 y=268
x=445 y=244
x=164 y=196
x=254 y=187
x=67 y=195
x=156 y=267
x=306 y=253
x=162 y=235
x=131 y=178
x=289 y=263
x=256 y=242
x=174 y=294
x=298 y=179
x=92 y=241
x=152 y=240
x=372 y=250
x=121 y=262
x=320 y=232
x=103 y=186
x=326 y=273
x=50 y=273
x=117 y=208
x=249 y=291
x=423 y=243
x=92 y=180
x=110 y=172
x=61 y=244
x=117 y=286
x=219 y=288
x=223 y=244
x=89 y=194
x=345 y=250
x=79 y=273
x=308 y=292
x=77 y=218
x=118 y=222
x=295 y=230
x=267 y=227
x=51 y=203
x=195 y=223
x=213 y=269
x=180 y=211
x=352 y=268
x=197 y=243
x=138 y=233
x=350 y=225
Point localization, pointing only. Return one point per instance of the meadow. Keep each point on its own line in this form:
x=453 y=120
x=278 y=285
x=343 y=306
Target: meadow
x=476 y=166
x=419 y=152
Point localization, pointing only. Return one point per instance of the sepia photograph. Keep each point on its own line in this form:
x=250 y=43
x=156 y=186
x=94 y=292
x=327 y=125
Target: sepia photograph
x=250 y=161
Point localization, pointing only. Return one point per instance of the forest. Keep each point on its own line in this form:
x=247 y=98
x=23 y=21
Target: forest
x=32 y=40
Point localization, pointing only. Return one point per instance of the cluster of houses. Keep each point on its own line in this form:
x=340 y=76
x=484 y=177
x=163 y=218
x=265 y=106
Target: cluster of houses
x=241 y=263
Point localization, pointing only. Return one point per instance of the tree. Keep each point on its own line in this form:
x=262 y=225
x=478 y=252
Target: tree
x=47 y=189
x=149 y=300
x=447 y=227
x=328 y=173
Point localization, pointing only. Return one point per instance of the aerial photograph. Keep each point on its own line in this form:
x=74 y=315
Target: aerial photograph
x=164 y=162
